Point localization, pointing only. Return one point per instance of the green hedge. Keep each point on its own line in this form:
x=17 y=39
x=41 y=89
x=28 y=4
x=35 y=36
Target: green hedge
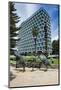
x=55 y=61
x=31 y=58
x=12 y=57
x=34 y=58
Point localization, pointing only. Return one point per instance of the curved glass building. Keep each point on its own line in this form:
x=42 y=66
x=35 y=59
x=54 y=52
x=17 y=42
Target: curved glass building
x=40 y=19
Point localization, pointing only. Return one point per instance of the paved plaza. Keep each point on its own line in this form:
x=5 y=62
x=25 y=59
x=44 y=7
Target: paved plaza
x=31 y=78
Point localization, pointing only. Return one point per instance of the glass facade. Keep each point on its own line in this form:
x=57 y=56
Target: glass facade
x=26 y=43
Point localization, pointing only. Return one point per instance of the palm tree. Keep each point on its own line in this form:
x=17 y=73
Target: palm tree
x=35 y=33
x=46 y=40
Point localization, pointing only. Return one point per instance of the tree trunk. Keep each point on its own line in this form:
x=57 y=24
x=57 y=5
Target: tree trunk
x=35 y=45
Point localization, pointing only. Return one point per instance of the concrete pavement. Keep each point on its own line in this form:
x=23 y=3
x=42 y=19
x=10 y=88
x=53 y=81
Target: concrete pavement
x=37 y=77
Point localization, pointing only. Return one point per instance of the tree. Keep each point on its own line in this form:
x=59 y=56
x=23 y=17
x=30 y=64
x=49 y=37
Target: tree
x=35 y=33
x=13 y=20
x=46 y=40
x=55 y=47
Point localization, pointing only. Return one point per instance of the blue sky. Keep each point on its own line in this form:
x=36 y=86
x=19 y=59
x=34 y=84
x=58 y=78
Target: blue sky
x=26 y=10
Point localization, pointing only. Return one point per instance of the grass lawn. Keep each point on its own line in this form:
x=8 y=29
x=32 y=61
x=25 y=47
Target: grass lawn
x=12 y=62
x=55 y=61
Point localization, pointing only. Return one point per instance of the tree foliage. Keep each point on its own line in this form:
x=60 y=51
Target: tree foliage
x=13 y=20
x=35 y=33
x=55 y=47
x=46 y=40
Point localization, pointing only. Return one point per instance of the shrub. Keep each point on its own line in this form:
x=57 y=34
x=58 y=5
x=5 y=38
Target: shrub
x=12 y=57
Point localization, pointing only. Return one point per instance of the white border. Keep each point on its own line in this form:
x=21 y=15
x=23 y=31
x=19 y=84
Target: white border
x=4 y=44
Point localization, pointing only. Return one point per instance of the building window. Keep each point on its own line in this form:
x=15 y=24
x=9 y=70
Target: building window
x=37 y=48
x=42 y=27
x=40 y=48
x=40 y=40
x=42 y=43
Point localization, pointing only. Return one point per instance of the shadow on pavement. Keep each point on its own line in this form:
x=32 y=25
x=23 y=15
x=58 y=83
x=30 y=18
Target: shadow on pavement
x=12 y=76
